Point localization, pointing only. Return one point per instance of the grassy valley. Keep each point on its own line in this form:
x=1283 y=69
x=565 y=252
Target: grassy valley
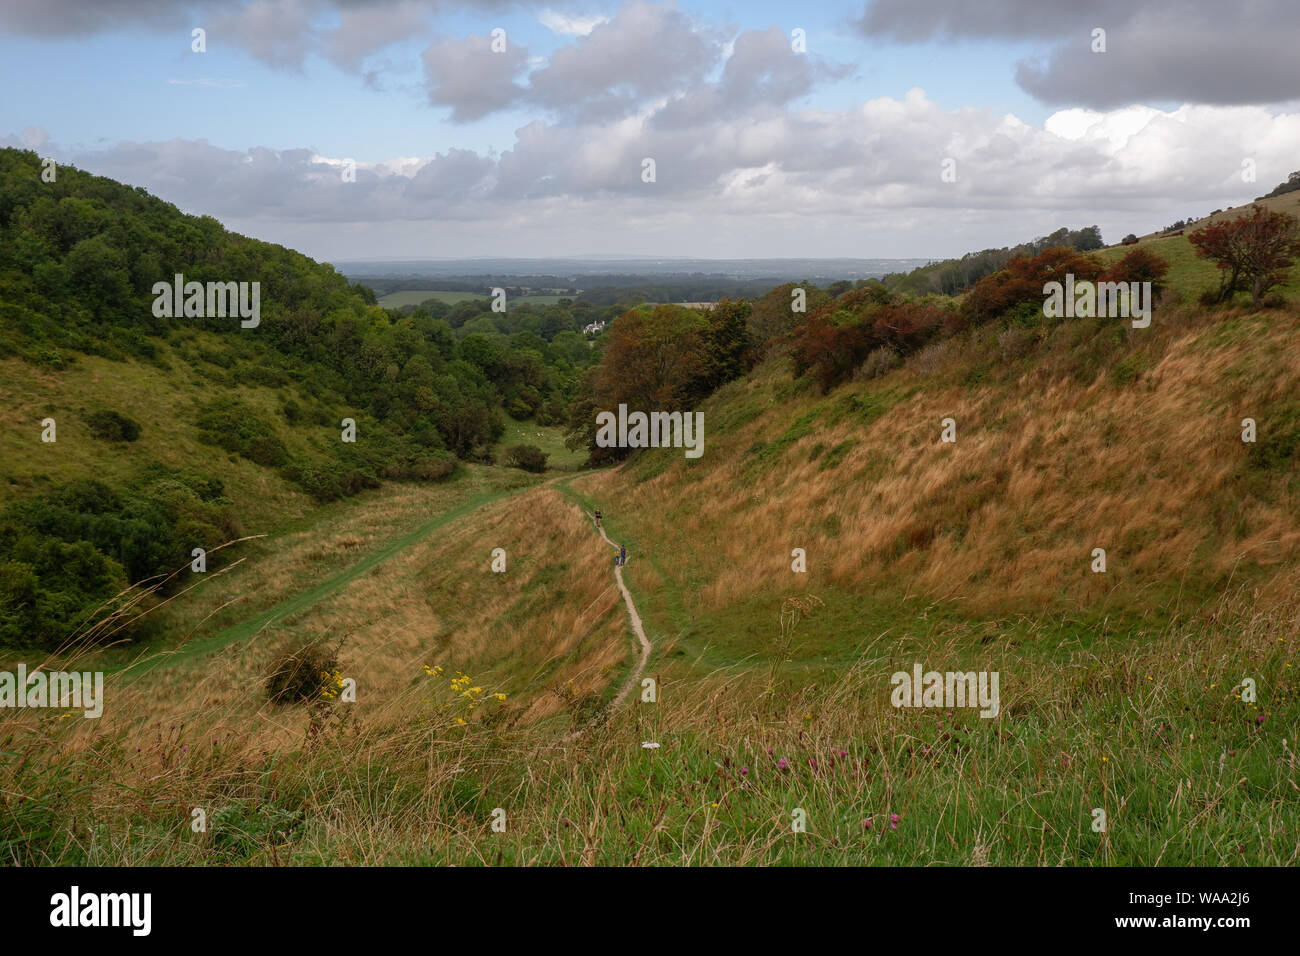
x=451 y=631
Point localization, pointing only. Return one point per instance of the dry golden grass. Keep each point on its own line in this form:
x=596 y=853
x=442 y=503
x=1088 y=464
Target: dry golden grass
x=1147 y=723
x=1159 y=738
x=1042 y=472
x=553 y=621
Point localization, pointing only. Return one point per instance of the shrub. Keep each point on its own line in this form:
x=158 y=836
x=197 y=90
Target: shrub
x=109 y=425
x=235 y=426
x=1140 y=265
x=880 y=362
x=433 y=468
x=1015 y=342
x=1022 y=281
x=301 y=675
x=527 y=457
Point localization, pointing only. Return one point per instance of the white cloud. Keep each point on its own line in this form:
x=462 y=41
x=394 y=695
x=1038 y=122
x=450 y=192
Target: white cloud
x=758 y=182
x=570 y=26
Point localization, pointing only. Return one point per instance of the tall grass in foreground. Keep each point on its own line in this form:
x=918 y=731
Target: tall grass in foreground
x=1159 y=738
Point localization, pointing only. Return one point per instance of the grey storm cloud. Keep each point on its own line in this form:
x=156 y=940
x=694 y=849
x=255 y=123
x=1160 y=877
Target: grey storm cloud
x=86 y=17
x=1195 y=51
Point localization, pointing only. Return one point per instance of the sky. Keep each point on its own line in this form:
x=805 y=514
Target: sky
x=354 y=129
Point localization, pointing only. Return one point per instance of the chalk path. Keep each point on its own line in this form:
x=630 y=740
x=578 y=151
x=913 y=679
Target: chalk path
x=633 y=678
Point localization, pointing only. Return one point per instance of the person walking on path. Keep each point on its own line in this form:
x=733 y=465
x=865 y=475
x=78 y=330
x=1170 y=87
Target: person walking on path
x=597 y=517
x=622 y=555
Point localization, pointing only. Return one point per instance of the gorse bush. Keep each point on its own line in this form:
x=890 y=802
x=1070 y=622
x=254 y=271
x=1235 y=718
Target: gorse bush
x=306 y=674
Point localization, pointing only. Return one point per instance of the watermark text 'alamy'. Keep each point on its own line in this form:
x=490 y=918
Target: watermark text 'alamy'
x=653 y=430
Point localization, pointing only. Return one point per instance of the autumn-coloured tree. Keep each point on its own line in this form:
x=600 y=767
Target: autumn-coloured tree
x=1257 y=248
x=772 y=316
x=1140 y=265
x=650 y=358
x=1023 y=280
x=654 y=361
x=906 y=326
x=835 y=340
x=830 y=346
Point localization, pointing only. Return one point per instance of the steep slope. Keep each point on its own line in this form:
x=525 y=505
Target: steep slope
x=137 y=432
x=1084 y=435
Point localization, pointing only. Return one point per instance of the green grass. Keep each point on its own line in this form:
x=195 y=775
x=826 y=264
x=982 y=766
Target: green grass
x=1188 y=273
x=549 y=439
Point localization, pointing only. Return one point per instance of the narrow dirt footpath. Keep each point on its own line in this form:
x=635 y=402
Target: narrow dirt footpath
x=634 y=677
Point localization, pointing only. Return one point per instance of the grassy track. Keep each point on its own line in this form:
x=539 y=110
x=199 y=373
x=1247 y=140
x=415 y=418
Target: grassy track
x=305 y=599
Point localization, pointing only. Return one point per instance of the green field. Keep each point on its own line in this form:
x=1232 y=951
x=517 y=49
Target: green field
x=395 y=300
x=549 y=440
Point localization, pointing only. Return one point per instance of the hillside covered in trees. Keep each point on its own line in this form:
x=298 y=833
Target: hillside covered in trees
x=79 y=258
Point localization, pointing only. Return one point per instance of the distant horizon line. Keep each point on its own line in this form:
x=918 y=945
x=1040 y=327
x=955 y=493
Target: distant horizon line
x=632 y=258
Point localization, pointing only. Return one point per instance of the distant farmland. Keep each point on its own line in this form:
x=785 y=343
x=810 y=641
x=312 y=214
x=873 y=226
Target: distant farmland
x=395 y=300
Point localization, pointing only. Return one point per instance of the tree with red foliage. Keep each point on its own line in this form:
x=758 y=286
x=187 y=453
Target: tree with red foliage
x=831 y=346
x=1140 y=265
x=1258 y=248
x=906 y=326
x=1023 y=280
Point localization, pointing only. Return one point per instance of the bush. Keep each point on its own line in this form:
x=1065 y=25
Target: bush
x=109 y=425
x=1016 y=342
x=301 y=675
x=1140 y=265
x=235 y=426
x=879 y=362
x=433 y=468
x=527 y=457
x=1022 y=281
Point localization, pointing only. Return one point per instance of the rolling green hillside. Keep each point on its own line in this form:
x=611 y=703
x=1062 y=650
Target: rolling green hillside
x=828 y=539
x=176 y=432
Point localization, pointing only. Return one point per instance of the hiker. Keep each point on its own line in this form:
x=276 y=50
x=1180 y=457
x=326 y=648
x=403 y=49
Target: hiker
x=597 y=517
x=622 y=555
